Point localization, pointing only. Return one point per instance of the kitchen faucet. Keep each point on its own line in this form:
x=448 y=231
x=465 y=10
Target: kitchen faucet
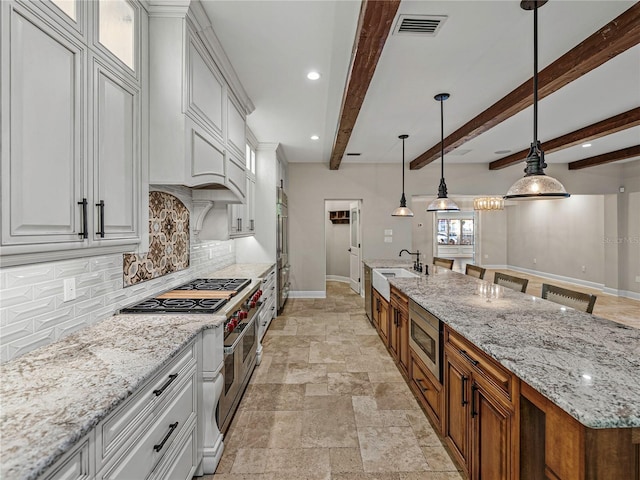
x=417 y=266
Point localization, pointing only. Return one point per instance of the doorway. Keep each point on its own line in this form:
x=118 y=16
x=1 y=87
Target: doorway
x=343 y=244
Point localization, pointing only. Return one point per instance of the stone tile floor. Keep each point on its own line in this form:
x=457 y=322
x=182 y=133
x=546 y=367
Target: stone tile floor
x=328 y=403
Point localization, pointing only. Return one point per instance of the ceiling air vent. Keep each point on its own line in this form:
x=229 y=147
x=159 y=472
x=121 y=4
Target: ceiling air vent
x=423 y=25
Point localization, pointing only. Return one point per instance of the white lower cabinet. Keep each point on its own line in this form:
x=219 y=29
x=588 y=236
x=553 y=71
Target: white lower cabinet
x=165 y=430
x=77 y=464
x=269 y=301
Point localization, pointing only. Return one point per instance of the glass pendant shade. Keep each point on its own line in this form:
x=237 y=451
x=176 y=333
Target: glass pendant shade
x=442 y=203
x=535 y=185
x=402 y=210
x=488 y=203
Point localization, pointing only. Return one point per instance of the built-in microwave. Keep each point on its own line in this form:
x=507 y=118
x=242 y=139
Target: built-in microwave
x=426 y=338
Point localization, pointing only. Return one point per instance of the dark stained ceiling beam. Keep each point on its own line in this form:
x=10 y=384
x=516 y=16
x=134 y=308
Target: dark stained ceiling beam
x=610 y=157
x=617 y=123
x=614 y=38
x=374 y=25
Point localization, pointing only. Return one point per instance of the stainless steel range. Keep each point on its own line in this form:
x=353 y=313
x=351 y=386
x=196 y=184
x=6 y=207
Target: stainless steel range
x=209 y=295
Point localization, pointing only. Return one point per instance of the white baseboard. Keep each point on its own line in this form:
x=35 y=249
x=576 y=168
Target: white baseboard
x=307 y=294
x=621 y=293
x=338 y=278
x=562 y=278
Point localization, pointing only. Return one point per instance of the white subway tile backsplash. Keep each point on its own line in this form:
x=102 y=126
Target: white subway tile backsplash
x=17 y=330
x=24 y=311
x=25 y=276
x=89 y=279
x=71 y=326
x=16 y=296
x=26 y=344
x=107 y=262
x=84 y=308
x=71 y=268
x=48 y=289
x=32 y=310
x=51 y=319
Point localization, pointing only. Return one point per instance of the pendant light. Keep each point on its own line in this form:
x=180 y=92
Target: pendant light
x=442 y=203
x=402 y=210
x=535 y=185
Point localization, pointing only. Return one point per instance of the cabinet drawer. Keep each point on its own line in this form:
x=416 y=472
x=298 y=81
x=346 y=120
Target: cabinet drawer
x=76 y=465
x=488 y=368
x=399 y=300
x=427 y=389
x=145 y=453
x=181 y=462
x=122 y=425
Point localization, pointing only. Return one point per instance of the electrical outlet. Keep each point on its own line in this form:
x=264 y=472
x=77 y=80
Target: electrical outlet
x=584 y=268
x=535 y=261
x=69 y=289
x=486 y=255
x=230 y=248
x=388 y=232
x=210 y=253
x=388 y=239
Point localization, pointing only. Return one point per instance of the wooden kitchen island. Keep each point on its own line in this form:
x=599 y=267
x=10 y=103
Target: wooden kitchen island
x=530 y=389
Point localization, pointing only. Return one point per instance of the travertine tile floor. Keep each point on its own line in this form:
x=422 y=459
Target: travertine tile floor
x=328 y=403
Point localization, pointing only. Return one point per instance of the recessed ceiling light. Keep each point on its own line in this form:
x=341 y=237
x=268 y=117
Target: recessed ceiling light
x=501 y=152
x=586 y=145
x=313 y=75
x=314 y=137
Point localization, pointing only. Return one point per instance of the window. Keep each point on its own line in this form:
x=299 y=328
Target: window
x=117 y=29
x=458 y=231
x=250 y=159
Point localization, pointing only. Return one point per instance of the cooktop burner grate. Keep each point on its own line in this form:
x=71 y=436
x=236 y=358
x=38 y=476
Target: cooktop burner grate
x=177 y=305
x=216 y=284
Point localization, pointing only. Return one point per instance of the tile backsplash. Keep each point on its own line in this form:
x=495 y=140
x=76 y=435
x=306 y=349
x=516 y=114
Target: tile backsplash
x=168 y=241
x=33 y=313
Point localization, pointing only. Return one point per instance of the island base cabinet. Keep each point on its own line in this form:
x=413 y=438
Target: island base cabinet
x=381 y=316
x=399 y=330
x=555 y=446
x=428 y=390
x=481 y=424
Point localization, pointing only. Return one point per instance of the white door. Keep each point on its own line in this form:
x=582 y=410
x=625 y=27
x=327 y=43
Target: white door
x=354 y=246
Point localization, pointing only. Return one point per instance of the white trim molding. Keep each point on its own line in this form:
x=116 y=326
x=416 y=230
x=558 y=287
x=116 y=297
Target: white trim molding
x=553 y=276
x=337 y=278
x=307 y=294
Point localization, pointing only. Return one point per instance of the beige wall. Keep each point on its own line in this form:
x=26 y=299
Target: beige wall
x=558 y=237
x=337 y=241
x=379 y=186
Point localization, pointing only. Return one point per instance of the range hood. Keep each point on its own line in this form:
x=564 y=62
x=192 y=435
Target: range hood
x=197 y=106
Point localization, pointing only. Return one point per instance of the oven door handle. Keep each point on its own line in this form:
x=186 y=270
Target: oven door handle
x=232 y=348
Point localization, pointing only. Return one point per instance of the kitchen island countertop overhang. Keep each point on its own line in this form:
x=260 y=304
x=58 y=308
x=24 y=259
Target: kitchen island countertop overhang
x=586 y=365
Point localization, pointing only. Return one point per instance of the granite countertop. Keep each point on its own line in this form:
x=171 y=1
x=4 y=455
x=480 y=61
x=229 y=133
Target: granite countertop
x=53 y=396
x=389 y=263
x=587 y=365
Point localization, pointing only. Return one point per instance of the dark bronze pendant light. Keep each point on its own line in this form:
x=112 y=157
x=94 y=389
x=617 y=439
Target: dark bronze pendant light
x=442 y=203
x=535 y=185
x=402 y=210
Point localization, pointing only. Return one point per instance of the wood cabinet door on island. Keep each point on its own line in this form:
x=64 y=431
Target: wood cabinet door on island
x=456 y=418
x=399 y=333
x=381 y=316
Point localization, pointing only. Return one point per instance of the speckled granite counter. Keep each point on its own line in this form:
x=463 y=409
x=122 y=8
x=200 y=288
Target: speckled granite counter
x=242 y=270
x=587 y=365
x=53 y=396
x=389 y=263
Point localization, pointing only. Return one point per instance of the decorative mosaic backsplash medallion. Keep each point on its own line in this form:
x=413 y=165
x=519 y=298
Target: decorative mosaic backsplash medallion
x=168 y=241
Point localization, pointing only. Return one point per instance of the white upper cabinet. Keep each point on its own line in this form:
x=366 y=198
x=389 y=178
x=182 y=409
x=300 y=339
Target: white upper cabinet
x=42 y=175
x=197 y=132
x=72 y=131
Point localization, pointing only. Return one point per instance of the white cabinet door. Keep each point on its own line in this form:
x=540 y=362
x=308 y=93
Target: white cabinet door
x=42 y=115
x=116 y=154
x=205 y=90
x=236 y=131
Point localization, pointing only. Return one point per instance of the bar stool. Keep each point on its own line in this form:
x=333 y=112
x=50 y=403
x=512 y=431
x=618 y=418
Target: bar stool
x=475 y=271
x=514 y=283
x=578 y=300
x=443 y=262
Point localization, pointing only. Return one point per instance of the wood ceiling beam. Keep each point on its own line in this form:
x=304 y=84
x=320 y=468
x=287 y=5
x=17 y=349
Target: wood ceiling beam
x=614 y=38
x=374 y=25
x=617 y=123
x=610 y=157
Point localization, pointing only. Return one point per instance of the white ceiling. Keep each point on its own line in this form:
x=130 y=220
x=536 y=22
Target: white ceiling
x=482 y=52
